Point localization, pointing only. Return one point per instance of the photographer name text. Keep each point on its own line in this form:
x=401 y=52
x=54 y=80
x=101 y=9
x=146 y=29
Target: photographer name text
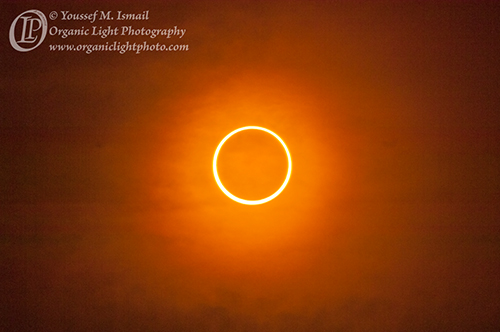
x=101 y=16
x=106 y=31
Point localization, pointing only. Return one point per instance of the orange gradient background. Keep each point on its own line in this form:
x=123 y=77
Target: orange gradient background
x=112 y=219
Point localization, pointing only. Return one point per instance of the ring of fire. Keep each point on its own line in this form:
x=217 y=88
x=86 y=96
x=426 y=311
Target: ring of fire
x=241 y=200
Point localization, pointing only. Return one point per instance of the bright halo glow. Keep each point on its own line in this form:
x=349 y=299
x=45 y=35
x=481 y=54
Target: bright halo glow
x=241 y=200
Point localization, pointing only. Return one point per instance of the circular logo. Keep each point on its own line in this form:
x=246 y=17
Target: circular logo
x=241 y=200
x=28 y=30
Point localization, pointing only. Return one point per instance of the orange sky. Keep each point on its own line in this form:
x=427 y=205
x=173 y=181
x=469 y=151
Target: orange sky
x=113 y=221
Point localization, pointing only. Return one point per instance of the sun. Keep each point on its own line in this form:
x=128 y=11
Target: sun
x=245 y=201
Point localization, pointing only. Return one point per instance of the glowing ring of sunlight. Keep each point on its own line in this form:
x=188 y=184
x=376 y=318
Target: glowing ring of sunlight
x=245 y=201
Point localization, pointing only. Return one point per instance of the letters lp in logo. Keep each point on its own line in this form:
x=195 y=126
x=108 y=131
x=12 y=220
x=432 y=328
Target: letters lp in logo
x=28 y=30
